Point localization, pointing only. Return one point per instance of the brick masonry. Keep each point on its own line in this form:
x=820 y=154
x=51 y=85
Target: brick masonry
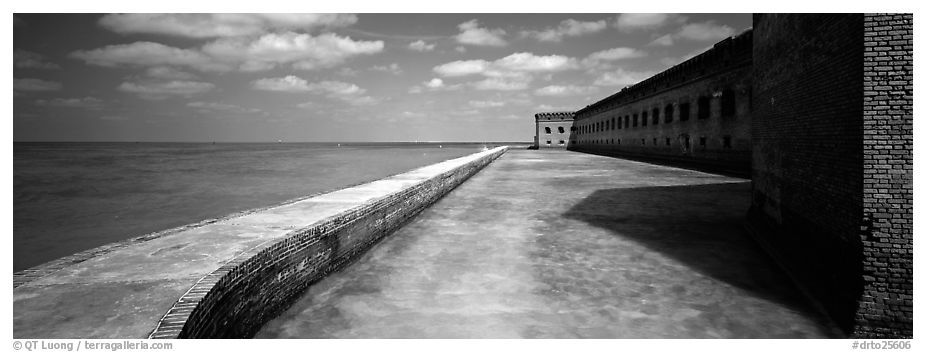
x=832 y=163
x=696 y=113
x=553 y=129
x=886 y=306
x=236 y=299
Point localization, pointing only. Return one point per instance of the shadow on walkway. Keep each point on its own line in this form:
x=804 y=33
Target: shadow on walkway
x=699 y=226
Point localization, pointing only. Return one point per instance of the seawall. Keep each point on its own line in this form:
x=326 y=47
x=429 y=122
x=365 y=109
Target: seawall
x=223 y=278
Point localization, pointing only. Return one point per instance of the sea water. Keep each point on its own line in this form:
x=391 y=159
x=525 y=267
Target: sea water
x=69 y=197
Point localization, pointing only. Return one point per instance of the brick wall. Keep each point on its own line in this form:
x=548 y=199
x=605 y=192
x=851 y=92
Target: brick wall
x=812 y=164
x=886 y=305
x=715 y=135
x=238 y=298
x=555 y=121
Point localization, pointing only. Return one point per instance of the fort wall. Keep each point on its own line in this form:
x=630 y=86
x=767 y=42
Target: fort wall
x=831 y=162
x=553 y=129
x=696 y=113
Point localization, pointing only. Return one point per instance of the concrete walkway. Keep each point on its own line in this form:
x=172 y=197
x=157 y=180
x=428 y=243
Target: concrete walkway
x=556 y=244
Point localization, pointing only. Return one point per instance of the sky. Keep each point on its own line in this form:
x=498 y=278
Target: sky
x=332 y=77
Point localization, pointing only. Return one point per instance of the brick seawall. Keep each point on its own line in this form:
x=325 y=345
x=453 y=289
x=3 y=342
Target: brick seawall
x=223 y=277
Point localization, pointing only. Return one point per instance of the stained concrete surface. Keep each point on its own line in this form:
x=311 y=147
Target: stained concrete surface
x=556 y=244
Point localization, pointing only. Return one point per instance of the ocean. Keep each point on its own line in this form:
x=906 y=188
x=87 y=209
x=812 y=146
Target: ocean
x=69 y=197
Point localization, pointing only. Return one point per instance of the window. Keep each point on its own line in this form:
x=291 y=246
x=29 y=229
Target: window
x=727 y=103
x=612 y=123
x=727 y=143
x=620 y=124
x=669 y=111
x=668 y=141
x=562 y=142
x=654 y=141
x=703 y=142
x=547 y=129
x=618 y=141
x=635 y=118
x=562 y=130
x=627 y=121
x=684 y=111
x=655 y=116
x=548 y=142
x=704 y=108
x=644 y=117
x=612 y=141
x=643 y=141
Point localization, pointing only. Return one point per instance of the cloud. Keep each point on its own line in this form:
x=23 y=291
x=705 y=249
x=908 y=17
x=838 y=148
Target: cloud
x=460 y=49
x=34 y=85
x=148 y=54
x=486 y=103
x=622 y=77
x=161 y=90
x=514 y=65
x=545 y=107
x=502 y=84
x=435 y=84
x=302 y=50
x=705 y=31
x=665 y=40
x=472 y=34
x=346 y=92
x=567 y=28
x=701 y=31
x=392 y=68
x=220 y=25
x=85 y=102
x=168 y=73
x=567 y=90
x=221 y=107
x=600 y=60
x=421 y=46
x=283 y=84
x=28 y=59
x=640 y=21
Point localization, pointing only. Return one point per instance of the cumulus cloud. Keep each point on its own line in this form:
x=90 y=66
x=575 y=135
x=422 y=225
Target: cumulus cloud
x=148 y=54
x=392 y=68
x=472 y=34
x=486 y=103
x=283 y=84
x=503 y=84
x=601 y=60
x=665 y=40
x=701 y=31
x=162 y=90
x=85 y=102
x=704 y=31
x=514 y=65
x=221 y=107
x=564 y=90
x=168 y=73
x=34 y=85
x=28 y=59
x=640 y=21
x=567 y=28
x=421 y=46
x=435 y=84
x=346 y=92
x=302 y=50
x=622 y=77
x=220 y=25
